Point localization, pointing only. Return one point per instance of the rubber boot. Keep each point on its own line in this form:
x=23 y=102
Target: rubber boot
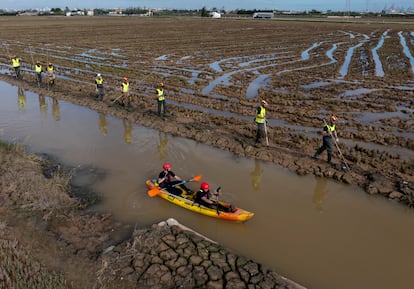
x=329 y=159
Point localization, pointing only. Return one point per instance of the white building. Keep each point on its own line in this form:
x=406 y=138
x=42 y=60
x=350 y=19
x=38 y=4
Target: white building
x=215 y=15
x=263 y=15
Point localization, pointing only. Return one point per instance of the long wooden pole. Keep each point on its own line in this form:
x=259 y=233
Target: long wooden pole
x=337 y=147
x=267 y=138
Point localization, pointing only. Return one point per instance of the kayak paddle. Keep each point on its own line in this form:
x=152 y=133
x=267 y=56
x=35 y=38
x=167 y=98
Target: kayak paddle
x=195 y=179
x=153 y=192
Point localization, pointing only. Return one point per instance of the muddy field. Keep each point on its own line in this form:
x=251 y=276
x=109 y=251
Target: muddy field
x=216 y=71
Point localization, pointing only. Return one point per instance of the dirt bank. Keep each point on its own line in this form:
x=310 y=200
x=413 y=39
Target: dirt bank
x=48 y=240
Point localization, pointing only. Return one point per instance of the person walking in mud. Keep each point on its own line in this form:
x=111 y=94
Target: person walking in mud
x=260 y=120
x=38 y=72
x=161 y=99
x=99 y=87
x=126 y=100
x=16 y=66
x=329 y=131
x=50 y=75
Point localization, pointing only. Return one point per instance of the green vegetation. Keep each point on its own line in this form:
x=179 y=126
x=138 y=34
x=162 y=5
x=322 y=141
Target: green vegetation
x=9 y=147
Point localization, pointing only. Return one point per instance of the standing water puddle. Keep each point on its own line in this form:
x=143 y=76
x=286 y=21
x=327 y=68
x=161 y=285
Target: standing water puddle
x=317 y=232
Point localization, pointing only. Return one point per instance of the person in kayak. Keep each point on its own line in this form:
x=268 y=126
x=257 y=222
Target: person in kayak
x=203 y=196
x=168 y=180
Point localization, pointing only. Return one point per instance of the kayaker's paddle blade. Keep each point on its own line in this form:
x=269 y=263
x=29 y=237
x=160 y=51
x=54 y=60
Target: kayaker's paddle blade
x=197 y=178
x=153 y=192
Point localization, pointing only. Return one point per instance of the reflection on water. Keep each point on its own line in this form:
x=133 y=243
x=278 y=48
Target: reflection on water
x=319 y=193
x=127 y=130
x=254 y=86
x=21 y=99
x=42 y=105
x=256 y=175
x=379 y=71
x=55 y=109
x=305 y=54
x=162 y=146
x=406 y=50
x=357 y=92
x=103 y=123
x=345 y=66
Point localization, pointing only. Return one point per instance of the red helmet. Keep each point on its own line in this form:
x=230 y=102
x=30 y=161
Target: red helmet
x=166 y=166
x=334 y=118
x=205 y=186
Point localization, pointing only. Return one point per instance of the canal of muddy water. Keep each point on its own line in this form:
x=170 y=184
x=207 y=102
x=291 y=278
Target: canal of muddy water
x=316 y=232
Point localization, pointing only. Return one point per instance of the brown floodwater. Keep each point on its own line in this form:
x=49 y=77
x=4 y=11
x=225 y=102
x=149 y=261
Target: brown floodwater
x=317 y=232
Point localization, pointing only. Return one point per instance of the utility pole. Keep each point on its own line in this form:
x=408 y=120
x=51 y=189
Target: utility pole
x=347 y=7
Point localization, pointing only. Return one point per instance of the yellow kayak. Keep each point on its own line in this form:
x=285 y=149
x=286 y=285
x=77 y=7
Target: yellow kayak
x=186 y=200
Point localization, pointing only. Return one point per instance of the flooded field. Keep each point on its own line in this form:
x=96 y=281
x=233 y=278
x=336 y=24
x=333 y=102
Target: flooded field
x=216 y=73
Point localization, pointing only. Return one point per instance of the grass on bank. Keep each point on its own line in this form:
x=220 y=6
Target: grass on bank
x=19 y=271
x=23 y=188
x=24 y=185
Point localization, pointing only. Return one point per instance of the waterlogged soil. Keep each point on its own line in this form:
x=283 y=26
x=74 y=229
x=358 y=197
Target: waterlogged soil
x=216 y=71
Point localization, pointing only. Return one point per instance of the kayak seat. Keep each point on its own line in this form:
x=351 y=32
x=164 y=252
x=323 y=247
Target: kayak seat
x=175 y=191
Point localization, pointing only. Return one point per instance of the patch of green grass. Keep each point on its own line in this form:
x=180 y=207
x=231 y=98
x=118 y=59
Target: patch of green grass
x=10 y=147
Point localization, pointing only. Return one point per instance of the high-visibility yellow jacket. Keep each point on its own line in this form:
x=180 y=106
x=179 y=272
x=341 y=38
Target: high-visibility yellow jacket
x=99 y=80
x=331 y=128
x=125 y=87
x=260 y=114
x=38 y=68
x=160 y=93
x=16 y=62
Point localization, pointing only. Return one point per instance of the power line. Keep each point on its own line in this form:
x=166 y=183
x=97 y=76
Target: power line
x=347 y=7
